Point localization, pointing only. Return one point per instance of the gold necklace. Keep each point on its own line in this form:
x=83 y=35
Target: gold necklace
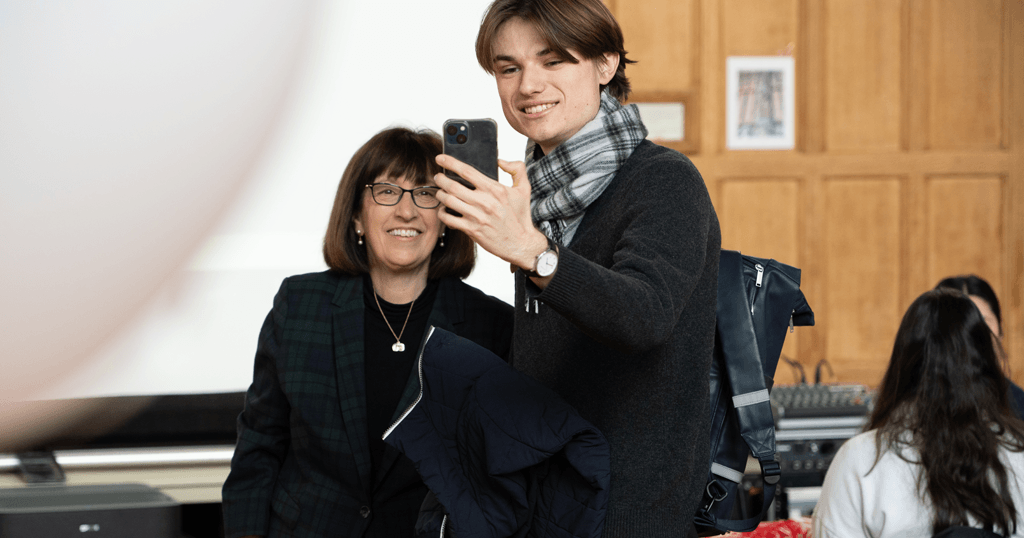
x=398 y=346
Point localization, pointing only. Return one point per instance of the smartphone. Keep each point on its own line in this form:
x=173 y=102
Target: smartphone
x=474 y=142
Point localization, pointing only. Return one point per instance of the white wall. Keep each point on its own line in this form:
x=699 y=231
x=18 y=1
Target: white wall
x=369 y=65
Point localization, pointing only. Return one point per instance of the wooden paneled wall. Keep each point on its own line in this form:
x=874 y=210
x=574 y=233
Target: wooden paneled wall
x=909 y=158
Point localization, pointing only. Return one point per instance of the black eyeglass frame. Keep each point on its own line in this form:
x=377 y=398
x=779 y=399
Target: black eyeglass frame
x=399 y=200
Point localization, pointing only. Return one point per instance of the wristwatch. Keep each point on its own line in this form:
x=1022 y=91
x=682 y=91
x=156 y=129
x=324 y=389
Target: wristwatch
x=546 y=262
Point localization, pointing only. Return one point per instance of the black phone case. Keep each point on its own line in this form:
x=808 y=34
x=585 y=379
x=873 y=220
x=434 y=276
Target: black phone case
x=480 y=150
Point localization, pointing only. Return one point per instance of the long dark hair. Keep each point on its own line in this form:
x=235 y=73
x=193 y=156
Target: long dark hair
x=945 y=395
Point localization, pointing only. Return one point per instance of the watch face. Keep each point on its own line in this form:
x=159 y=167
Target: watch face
x=546 y=263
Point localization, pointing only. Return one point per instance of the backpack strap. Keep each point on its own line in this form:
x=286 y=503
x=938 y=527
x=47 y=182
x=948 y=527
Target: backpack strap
x=746 y=380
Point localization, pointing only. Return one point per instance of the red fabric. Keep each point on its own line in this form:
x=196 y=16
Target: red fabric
x=786 y=528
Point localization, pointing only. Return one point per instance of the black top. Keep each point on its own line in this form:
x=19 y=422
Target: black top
x=387 y=371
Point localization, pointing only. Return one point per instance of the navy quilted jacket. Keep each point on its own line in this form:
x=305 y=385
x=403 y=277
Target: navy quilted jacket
x=503 y=454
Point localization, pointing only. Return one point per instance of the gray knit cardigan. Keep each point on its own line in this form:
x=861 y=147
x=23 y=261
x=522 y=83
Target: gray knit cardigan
x=624 y=333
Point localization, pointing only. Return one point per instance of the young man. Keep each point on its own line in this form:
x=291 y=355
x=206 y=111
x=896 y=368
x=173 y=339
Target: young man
x=616 y=244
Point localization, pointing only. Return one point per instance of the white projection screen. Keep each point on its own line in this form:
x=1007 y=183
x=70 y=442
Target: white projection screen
x=163 y=166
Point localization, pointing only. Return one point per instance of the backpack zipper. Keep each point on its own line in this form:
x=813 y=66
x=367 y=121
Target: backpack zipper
x=757 y=283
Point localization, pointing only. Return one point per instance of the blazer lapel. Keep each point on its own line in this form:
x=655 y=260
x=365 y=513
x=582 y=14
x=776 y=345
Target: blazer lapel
x=446 y=313
x=350 y=369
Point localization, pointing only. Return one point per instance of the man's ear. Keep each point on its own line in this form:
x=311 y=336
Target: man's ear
x=607 y=64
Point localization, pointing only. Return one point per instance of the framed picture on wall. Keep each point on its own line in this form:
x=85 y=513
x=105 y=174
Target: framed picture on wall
x=669 y=117
x=760 y=103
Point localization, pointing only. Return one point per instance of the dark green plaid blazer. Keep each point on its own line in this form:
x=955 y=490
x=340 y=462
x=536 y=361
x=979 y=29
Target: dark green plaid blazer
x=302 y=463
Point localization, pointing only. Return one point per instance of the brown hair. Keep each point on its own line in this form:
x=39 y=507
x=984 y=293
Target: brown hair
x=393 y=152
x=585 y=26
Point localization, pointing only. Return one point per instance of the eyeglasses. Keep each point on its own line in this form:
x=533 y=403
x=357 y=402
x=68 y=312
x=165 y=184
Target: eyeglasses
x=390 y=194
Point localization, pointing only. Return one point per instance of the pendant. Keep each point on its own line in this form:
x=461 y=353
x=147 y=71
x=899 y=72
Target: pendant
x=398 y=347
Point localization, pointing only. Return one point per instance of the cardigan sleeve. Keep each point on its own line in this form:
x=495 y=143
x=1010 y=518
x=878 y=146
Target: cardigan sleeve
x=666 y=241
x=263 y=435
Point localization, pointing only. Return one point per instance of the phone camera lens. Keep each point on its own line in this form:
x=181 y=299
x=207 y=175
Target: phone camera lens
x=461 y=139
x=452 y=130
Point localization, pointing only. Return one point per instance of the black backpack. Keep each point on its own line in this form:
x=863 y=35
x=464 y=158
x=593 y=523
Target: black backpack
x=758 y=300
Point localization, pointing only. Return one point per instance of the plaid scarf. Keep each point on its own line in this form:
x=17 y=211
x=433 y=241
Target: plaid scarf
x=566 y=181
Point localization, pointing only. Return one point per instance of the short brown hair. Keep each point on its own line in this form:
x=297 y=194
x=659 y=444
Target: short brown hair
x=585 y=26
x=393 y=152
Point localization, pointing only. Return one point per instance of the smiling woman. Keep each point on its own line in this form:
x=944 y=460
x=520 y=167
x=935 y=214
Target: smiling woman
x=334 y=365
x=400 y=235
x=392 y=156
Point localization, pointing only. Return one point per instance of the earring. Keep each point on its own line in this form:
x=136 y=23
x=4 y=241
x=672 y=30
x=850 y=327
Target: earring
x=442 y=238
x=360 y=234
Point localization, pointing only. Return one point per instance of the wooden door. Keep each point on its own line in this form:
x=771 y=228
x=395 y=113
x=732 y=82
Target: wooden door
x=909 y=157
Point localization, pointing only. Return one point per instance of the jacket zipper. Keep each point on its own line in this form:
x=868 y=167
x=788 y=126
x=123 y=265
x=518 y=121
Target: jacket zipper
x=419 y=371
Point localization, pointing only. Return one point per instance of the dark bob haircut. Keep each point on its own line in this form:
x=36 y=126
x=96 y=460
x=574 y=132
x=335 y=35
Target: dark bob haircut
x=585 y=26
x=393 y=153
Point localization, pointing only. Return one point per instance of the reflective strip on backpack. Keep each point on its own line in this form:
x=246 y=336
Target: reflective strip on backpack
x=751 y=398
x=729 y=474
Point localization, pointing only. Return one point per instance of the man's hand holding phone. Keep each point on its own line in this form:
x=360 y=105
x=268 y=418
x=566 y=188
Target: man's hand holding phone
x=496 y=216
